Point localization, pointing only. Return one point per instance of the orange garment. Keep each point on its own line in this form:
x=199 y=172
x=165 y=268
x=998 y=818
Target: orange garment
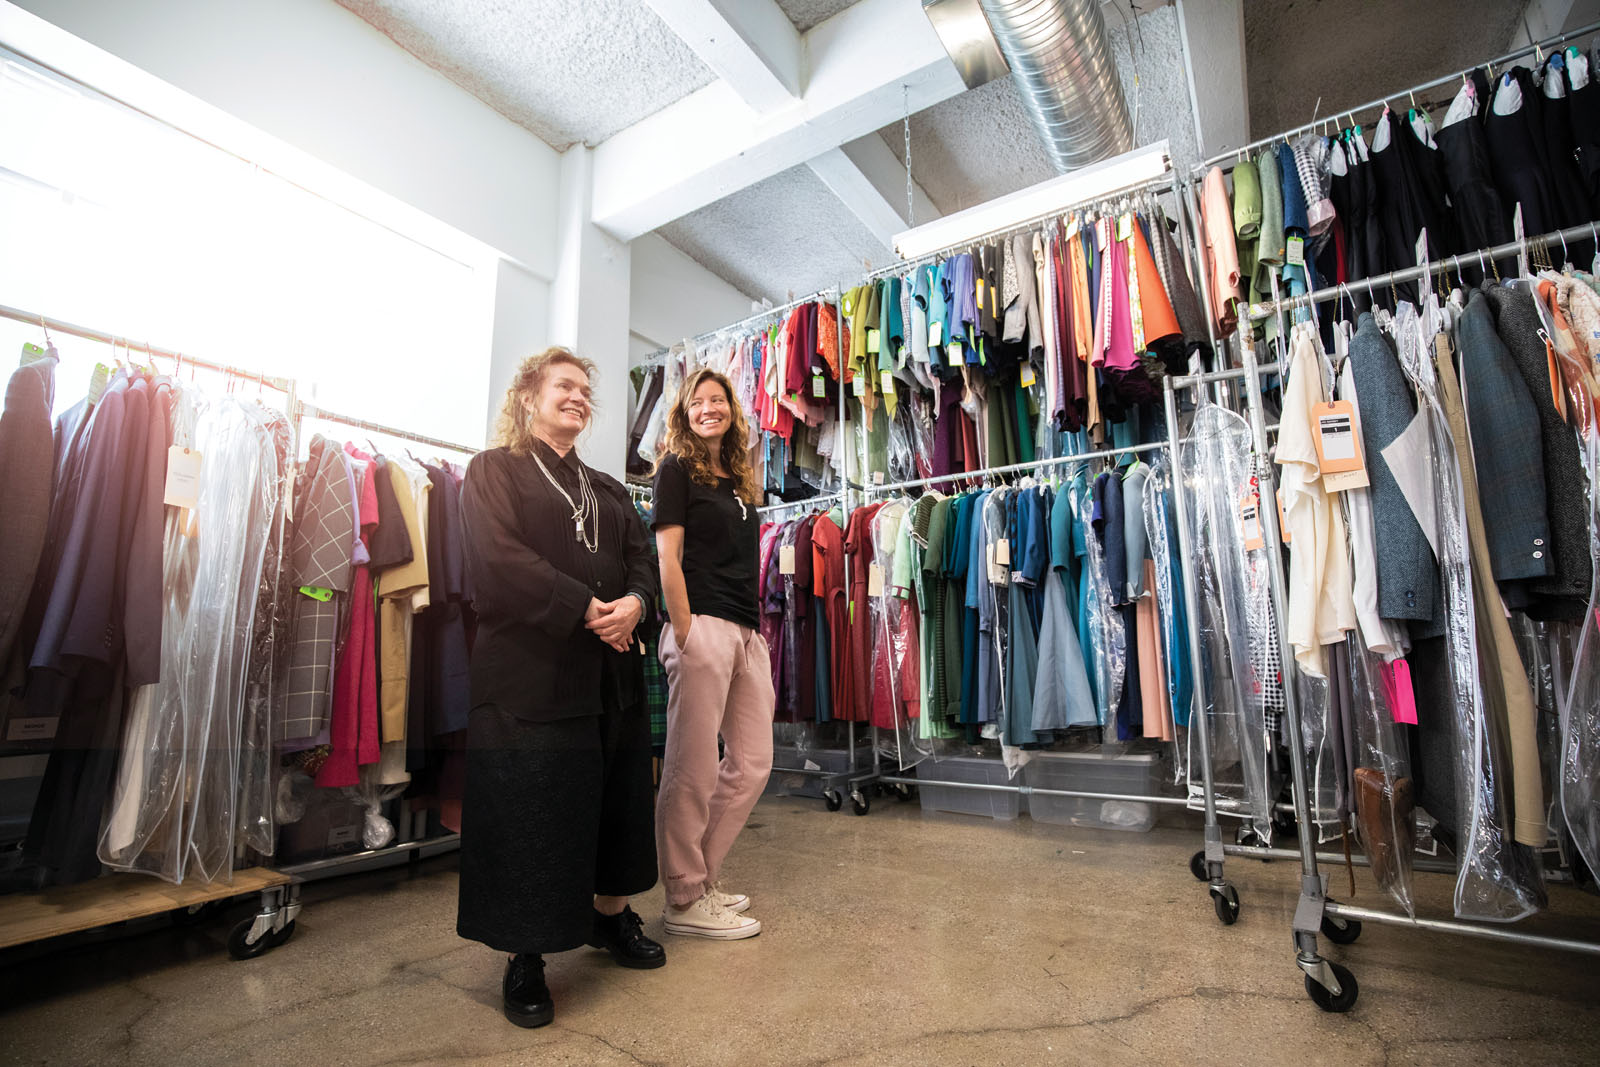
x=1569 y=364
x=828 y=340
x=1222 y=251
x=1078 y=278
x=1159 y=320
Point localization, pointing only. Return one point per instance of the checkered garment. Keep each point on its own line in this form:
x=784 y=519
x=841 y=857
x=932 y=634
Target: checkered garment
x=319 y=558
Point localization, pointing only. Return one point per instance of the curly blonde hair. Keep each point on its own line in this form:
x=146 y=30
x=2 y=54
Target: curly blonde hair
x=513 y=430
x=691 y=449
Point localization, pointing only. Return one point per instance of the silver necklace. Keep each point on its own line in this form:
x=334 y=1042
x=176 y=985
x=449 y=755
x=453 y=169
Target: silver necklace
x=587 y=505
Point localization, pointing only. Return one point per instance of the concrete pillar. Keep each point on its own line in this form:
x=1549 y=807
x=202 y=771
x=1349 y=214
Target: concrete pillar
x=589 y=308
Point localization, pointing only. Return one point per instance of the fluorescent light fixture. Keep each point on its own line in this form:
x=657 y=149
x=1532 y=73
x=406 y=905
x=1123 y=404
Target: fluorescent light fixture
x=1058 y=194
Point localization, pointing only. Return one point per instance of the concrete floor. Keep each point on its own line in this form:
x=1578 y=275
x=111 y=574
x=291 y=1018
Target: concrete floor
x=897 y=938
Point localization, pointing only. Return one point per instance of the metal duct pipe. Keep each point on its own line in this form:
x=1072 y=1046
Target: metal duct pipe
x=1060 y=57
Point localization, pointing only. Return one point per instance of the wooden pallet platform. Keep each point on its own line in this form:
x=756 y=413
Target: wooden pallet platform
x=26 y=917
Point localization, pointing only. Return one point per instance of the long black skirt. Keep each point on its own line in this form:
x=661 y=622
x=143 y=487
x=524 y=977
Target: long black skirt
x=553 y=813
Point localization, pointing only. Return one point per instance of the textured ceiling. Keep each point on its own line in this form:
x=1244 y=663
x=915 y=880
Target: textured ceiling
x=567 y=77
x=807 y=13
x=788 y=233
x=982 y=144
x=1297 y=50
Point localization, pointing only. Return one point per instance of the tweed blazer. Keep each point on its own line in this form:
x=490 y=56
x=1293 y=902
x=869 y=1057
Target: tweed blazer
x=27 y=451
x=1509 y=456
x=1407 y=575
x=1565 y=591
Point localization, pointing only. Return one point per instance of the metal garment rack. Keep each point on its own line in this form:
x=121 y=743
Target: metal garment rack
x=1330 y=985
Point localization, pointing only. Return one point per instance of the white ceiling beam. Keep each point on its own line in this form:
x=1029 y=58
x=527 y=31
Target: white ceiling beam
x=868 y=65
x=1214 y=53
x=750 y=44
x=847 y=181
x=887 y=173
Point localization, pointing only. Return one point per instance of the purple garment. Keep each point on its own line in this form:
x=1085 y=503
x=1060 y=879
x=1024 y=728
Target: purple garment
x=358 y=551
x=961 y=292
x=947 y=434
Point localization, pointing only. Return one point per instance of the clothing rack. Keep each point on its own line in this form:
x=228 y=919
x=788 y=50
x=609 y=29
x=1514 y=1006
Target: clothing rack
x=1266 y=310
x=1014 y=468
x=1166 y=182
x=808 y=502
x=1331 y=986
x=656 y=358
x=1549 y=44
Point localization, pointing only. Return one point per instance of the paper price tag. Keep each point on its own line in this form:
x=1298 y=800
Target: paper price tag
x=1296 y=252
x=936 y=332
x=1283 y=521
x=957 y=353
x=1338 y=442
x=183 y=477
x=1002 y=552
x=1125 y=227
x=32 y=353
x=785 y=559
x=859 y=385
x=874 y=342
x=819 y=386
x=32 y=729
x=1250 y=521
x=875 y=580
x=877 y=477
x=316 y=592
x=999 y=574
x=1027 y=378
x=886 y=385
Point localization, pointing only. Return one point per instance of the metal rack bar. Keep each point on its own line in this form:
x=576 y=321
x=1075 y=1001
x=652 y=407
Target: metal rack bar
x=1446 y=926
x=1029 y=790
x=312 y=411
x=1548 y=44
x=1587 y=232
x=654 y=358
x=1162 y=183
x=313 y=869
x=1015 y=468
x=89 y=333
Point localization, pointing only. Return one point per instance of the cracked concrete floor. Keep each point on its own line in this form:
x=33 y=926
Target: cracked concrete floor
x=897 y=938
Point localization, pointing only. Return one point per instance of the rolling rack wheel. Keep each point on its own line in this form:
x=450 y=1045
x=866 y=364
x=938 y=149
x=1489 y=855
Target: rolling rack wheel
x=1340 y=931
x=1197 y=866
x=1225 y=899
x=240 y=947
x=833 y=799
x=859 y=802
x=1325 y=998
x=903 y=792
x=280 y=936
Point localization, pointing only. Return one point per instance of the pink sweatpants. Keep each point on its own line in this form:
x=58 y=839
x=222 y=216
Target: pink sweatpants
x=721 y=683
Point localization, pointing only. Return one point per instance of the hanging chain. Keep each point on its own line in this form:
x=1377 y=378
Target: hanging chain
x=905 y=108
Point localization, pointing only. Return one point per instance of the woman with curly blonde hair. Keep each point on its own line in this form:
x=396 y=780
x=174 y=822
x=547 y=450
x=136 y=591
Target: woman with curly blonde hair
x=717 y=662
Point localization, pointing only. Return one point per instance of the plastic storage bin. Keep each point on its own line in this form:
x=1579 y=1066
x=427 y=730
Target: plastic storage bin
x=1130 y=773
x=992 y=803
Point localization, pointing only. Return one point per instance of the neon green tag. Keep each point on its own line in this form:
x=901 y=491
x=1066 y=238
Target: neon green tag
x=316 y=592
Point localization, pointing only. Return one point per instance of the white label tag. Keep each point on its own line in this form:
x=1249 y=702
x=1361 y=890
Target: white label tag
x=35 y=729
x=1002 y=552
x=877 y=477
x=183 y=477
x=1338 y=436
x=786 y=559
x=886 y=383
x=1027 y=378
x=342 y=835
x=859 y=385
x=1297 y=252
x=819 y=387
x=875 y=580
x=936 y=333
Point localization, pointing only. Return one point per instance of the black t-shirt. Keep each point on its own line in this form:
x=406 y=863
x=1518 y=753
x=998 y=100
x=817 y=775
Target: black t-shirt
x=720 y=535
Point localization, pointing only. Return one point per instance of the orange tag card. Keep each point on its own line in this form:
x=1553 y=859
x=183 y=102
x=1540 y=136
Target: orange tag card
x=1283 y=522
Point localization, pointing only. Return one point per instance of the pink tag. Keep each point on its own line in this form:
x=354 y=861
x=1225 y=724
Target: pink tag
x=1397 y=686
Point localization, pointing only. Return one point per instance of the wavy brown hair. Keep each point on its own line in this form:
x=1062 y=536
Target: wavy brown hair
x=513 y=430
x=691 y=449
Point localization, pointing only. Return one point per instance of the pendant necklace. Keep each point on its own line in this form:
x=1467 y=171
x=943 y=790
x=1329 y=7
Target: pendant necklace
x=587 y=505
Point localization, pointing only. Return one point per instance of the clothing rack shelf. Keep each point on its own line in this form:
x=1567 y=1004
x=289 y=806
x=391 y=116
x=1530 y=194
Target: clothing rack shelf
x=655 y=358
x=313 y=411
x=1224 y=159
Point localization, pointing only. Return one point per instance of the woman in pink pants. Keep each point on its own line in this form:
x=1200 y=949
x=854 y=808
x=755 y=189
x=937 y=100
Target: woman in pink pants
x=717 y=663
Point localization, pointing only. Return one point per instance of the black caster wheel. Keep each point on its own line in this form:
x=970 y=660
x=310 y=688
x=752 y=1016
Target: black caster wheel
x=280 y=936
x=903 y=793
x=240 y=949
x=1324 y=997
x=1197 y=867
x=1225 y=899
x=860 y=804
x=1340 y=931
x=1283 y=824
x=833 y=800
x=196 y=914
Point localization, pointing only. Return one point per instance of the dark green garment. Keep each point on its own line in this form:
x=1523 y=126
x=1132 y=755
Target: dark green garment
x=1271 y=247
x=1025 y=425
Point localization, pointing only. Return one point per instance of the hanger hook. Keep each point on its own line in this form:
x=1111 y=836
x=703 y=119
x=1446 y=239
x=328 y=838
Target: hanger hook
x=1481 y=265
x=1564 y=254
x=46 y=328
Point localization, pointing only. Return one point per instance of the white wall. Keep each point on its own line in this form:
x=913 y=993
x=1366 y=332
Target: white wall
x=318 y=77
x=672 y=297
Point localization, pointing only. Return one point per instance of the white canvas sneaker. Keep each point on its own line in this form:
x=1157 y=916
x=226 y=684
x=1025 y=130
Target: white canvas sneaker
x=738 y=903
x=706 y=918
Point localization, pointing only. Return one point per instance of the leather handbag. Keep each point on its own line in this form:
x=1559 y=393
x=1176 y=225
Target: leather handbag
x=1384 y=809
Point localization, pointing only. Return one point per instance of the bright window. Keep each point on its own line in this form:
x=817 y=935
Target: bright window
x=119 y=222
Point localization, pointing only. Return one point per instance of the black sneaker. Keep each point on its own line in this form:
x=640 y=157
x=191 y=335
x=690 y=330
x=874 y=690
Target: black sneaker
x=622 y=935
x=527 y=998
